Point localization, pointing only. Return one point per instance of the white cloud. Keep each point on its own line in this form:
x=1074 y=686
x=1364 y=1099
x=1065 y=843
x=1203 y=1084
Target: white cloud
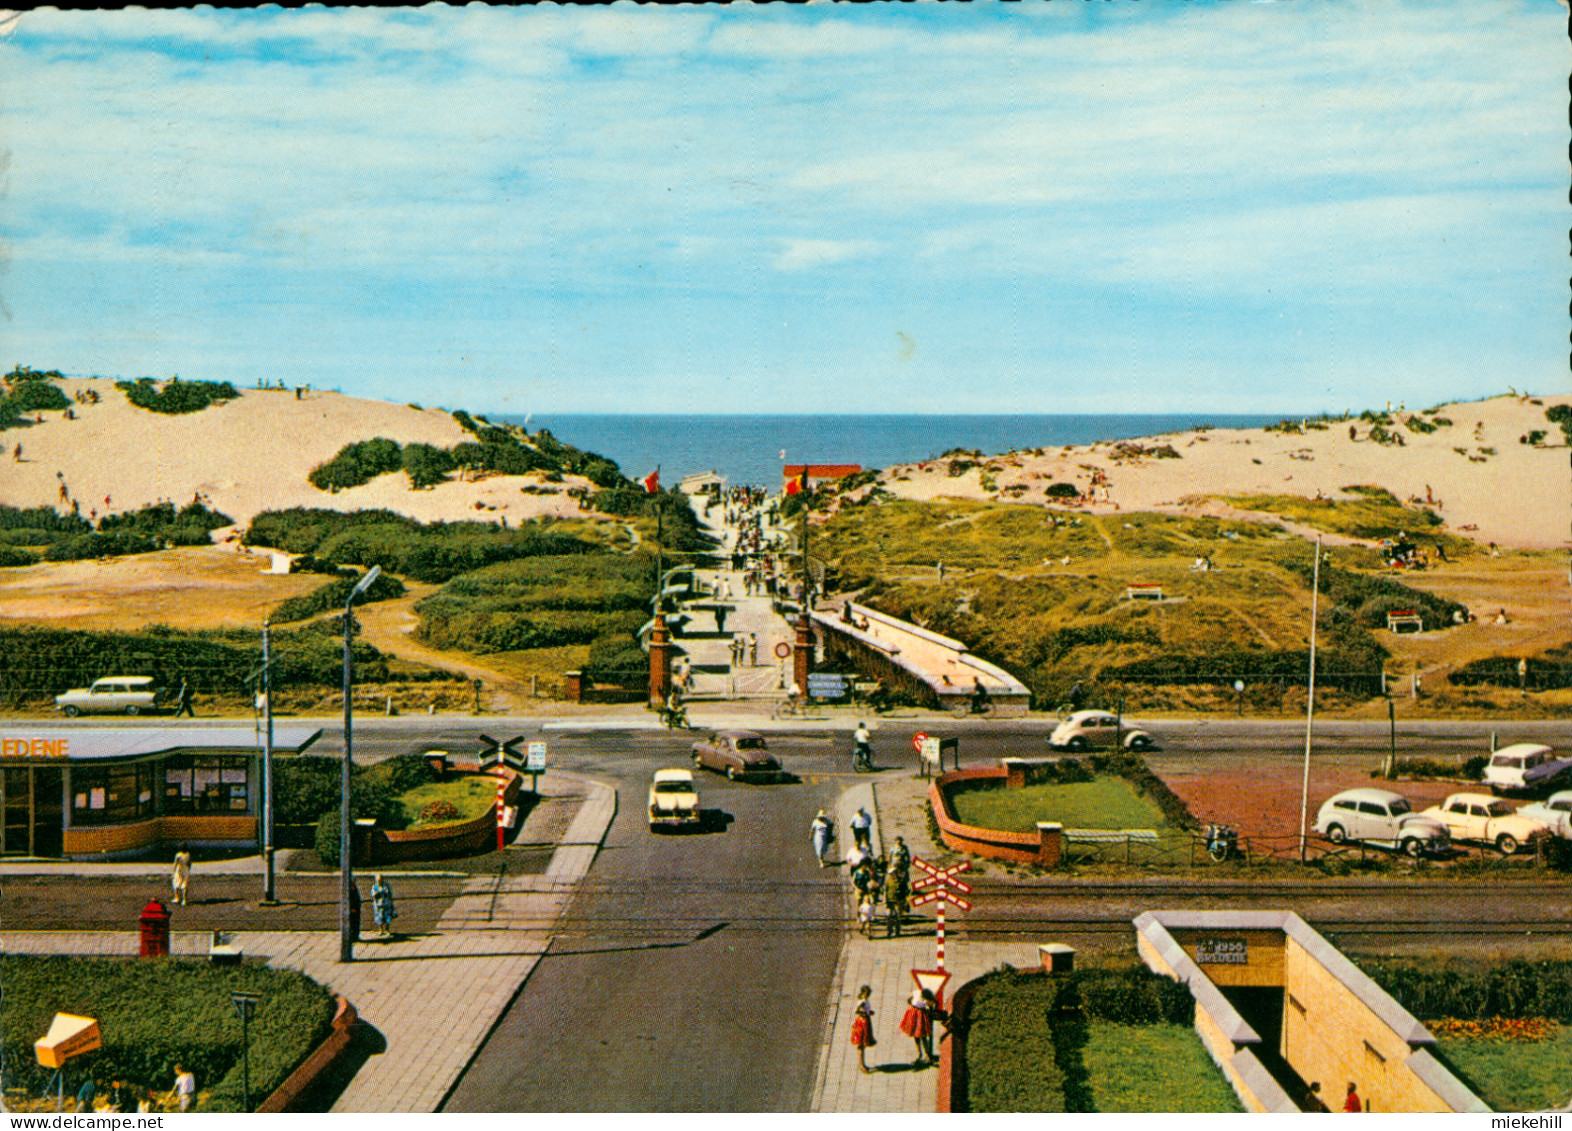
x=801 y=255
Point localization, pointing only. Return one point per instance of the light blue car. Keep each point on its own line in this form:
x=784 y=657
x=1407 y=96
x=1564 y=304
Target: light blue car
x=1555 y=812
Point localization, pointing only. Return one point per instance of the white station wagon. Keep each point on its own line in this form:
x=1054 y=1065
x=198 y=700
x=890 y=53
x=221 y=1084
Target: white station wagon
x=1525 y=765
x=129 y=693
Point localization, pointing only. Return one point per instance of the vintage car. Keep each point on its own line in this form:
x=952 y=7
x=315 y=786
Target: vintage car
x=1480 y=817
x=1556 y=813
x=1526 y=765
x=674 y=803
x=1092 y=730
x=1379 y=816
x=737 y=754
x=129 y=693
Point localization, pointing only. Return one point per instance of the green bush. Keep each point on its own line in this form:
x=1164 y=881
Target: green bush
x=15 y=556
x=189 y=526
x=441 y=551
x=84 y=546
x=300 y=530
x=42 y=520
x=35 y=396
x=425 y=465
x=504 y=459
x=1546 y=672
x=333 y=595
x=403 y=772
x=616 y=659
x=358 y=463
x=1561 y=414
x=156 y=1014
x=176 y=396
x=305 y=787
x=1063 y=491
x=1476 y=989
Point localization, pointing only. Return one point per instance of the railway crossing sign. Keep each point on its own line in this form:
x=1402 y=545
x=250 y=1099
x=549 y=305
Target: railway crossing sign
x=494 y=750
x=942 y=886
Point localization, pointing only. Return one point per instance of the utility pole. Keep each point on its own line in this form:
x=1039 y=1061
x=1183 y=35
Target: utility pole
x=346 y=864
x=269 y=894
x=1304 y=799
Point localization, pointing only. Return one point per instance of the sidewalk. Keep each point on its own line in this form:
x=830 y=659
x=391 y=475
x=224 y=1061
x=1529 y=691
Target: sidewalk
x=893 y=1085
x=434 y=998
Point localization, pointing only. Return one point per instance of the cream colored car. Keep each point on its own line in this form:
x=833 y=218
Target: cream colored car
x=674 y=802
x=131 y=694
x=1480 y=817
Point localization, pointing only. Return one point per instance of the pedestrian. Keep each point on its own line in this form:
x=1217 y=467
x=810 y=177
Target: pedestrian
x=86 y=1094
x=1313 y=1101
x=121 y=1096
x=17 y=454
x=185 y=1088
x=864 y=915
x=862 y=1027
x=382 y=910
x=822 y=831
x=901 y=858
x=1351 y=1101
x=753 y=650
x=895 y=891
x=183 y=701
x=180 y=879
x=862 y=828
x=917 y=1023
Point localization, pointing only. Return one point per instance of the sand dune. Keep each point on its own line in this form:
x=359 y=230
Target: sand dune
x=1495 y=489
x=246 y=456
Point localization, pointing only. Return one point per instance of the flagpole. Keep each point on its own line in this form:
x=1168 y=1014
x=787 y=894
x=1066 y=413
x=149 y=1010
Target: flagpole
x=1304 y=797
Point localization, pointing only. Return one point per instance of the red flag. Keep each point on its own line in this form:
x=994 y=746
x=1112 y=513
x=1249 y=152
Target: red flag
x=797 y=483
x=652 y=481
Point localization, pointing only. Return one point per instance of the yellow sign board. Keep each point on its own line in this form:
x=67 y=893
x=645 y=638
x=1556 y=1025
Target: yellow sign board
x=34 y=747
x=68 y=1036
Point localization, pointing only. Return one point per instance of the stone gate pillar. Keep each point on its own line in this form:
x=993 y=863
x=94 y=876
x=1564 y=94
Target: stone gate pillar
x=802 y=653
x=660 y=662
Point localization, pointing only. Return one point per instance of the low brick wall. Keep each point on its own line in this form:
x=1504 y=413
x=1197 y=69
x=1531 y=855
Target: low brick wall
x=1045 y=847
x=125 y=840
x=321 y=1060
x=464 y=839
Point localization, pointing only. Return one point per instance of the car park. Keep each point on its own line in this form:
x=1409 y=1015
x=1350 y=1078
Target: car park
x=1555 y=813
x=131 y=694
x=1097 y=730
x=1524 y=766
x=1379 y=816
x=739 y=754
x=673 y=801
x=1489 y=820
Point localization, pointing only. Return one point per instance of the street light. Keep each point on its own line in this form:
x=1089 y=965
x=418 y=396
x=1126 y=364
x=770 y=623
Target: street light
x=245 y=1004
x=346 y=867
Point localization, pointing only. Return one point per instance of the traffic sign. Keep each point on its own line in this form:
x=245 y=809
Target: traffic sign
x=917 y=740
x=535 y=758
x=933 y=980
x=944 y=896
x=494 y=750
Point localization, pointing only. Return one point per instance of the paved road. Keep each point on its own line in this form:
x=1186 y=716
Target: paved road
x=704 y=959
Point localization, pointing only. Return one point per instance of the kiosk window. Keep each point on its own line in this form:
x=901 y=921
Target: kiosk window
x=196 y=783
x=111 y=795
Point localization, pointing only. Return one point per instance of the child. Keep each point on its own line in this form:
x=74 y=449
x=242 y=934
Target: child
x=862 y=1027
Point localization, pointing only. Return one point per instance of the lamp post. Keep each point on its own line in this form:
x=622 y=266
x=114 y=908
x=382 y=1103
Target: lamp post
x=245 y=1006
x=269 y=893
x=346 y=867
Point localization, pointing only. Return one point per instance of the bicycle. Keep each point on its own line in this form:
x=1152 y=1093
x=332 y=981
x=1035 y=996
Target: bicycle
x=971 y=707
x=674 y=718
x=862 y=760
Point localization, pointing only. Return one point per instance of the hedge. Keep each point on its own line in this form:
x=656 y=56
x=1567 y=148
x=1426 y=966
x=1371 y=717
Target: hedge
x=333 y=595
x=154 y=1014
x=1546 y=672
x=82 y=546
x=1474 y=990
x=15 y=556
x=1334 y=668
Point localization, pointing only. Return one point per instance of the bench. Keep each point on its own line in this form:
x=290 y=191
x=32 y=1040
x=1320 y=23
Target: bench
x=1144 y=591
x=1404 y=620
x=1112 y=836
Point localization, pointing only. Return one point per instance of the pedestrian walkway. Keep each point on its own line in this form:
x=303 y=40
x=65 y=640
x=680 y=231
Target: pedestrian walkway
x=433 y=997
x=885 y=965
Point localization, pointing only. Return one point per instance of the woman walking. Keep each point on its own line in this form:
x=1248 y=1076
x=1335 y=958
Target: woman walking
x=382 y=912
x=180 y=878
x=862 y=1028
x=822 y=832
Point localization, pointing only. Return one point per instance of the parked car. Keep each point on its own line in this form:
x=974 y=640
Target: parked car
x=1526 y=765
x=129 y=693
x=674 y=802
x=1480 y=817
x=737 y=754
x=1380 y=816
x=1556 y=813
x=1094 y=730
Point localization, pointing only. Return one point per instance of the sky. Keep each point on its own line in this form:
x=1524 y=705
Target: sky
x=928 y=208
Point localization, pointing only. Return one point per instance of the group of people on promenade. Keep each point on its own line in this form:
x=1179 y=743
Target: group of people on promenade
x=124 y=1095
x=923 y=1012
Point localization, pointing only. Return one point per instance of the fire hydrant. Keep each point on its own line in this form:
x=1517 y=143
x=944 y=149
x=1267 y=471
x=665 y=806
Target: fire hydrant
x=154 y=929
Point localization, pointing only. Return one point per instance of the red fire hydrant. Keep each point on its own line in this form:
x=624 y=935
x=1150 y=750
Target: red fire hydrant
x=154 y=925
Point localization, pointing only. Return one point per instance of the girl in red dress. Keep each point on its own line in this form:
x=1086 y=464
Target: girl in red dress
x=917 y=1023
x=862 y=1027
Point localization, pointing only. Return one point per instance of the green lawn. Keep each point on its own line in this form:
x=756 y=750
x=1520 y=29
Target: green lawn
x=1158 y=1067
x=1106 y=803
x=1516 y=1075
x=472 y=795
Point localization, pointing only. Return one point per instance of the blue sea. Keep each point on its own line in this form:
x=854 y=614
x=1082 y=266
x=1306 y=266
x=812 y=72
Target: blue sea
x=751 y=449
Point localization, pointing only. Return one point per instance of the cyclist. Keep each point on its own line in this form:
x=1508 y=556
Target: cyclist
x=979 y=697
x=862 y=747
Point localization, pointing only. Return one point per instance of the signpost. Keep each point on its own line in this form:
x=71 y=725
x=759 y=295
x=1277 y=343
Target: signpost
x=942 y=885
x=535 y=764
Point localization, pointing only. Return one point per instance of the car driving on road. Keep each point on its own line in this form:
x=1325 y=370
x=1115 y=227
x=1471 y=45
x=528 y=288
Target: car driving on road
x=132 y=694
x=1480 y=817
x=1096 y=730
x=1379 y=816
x=674 y=802
x=737 y=754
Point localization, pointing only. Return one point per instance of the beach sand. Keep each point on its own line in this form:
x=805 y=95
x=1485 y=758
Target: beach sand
x=1495 y=489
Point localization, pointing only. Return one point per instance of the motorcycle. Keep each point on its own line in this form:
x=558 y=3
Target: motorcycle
x=1222 y=842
